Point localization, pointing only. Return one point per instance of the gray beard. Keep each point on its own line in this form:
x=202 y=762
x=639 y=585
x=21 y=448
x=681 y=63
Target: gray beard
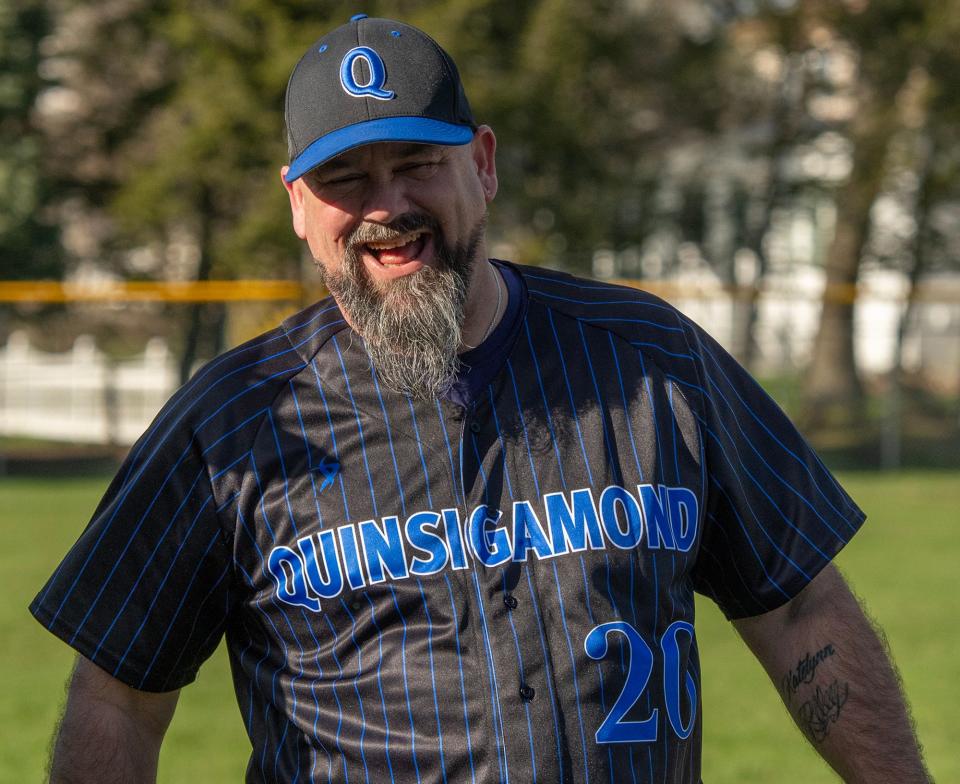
x=412 y=328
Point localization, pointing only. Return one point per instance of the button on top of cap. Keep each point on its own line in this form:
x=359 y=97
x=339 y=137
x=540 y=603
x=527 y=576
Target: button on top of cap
x=357 y=17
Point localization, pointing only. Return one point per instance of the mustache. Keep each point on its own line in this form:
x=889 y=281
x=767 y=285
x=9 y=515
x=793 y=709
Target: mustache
x=385 y=232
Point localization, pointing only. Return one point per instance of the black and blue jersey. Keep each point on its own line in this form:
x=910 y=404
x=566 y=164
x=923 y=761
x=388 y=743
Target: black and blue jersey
x=425 y=591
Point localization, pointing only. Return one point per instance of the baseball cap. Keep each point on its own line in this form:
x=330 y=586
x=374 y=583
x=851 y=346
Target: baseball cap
x=373 y=80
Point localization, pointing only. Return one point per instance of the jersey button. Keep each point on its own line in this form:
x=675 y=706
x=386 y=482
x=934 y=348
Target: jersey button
x=526 y=692
x=474 y=427
x=510 y=601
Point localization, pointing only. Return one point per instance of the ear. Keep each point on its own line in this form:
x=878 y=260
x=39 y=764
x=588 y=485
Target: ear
x=295 y=193
x=484 y=147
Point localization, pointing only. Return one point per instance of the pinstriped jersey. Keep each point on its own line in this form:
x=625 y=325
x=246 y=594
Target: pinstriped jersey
x=416 y=591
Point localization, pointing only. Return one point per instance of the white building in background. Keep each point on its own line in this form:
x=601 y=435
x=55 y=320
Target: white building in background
x=83 y=396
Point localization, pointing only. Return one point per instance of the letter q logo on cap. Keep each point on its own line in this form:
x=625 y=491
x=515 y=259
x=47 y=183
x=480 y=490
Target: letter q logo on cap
x=378 y=74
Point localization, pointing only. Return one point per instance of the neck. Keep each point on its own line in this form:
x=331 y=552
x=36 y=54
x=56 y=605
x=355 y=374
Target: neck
x=484 y=307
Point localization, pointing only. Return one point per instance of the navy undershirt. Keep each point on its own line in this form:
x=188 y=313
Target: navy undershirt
x=481 y=364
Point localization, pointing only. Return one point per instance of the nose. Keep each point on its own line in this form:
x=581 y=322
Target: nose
x=386 y=199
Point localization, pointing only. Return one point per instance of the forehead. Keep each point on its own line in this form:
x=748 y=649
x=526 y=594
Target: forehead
x=380 y=151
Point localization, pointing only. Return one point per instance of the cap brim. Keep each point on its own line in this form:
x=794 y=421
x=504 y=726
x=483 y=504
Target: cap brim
x=387 y=129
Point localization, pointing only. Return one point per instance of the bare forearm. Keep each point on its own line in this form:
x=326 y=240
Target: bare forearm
x=852 y=711
x=101 y=746
x=837 y=681
x=109 y=733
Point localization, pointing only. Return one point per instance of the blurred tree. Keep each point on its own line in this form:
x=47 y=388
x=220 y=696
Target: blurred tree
x=28 y=232
x=588 y=98
x=886 y=35
x=178 y=130
x=649 y=133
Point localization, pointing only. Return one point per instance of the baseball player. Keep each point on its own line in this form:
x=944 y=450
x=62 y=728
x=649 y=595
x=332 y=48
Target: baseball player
x=452 y=518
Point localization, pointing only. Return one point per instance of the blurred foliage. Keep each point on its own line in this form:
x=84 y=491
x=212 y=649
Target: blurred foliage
x=637 y=138
x=29 y=245
x=619 y=120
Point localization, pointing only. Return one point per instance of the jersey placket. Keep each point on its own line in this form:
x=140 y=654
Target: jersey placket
x=516 y=656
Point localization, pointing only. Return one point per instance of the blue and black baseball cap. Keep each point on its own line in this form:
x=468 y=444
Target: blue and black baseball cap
x=373 y=80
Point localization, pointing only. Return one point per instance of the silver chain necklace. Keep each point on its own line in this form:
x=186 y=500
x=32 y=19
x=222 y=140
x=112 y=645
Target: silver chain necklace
x=496 y=310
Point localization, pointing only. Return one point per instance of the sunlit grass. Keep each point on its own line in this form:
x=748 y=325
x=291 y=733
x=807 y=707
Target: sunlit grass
x=902 y=563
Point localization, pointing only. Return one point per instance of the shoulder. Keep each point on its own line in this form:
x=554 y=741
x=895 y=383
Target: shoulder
x=244 y=381
x=630 y=314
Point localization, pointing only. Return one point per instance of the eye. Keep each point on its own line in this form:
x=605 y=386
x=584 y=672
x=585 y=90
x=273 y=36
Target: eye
x=343 y=179
x=419 y=168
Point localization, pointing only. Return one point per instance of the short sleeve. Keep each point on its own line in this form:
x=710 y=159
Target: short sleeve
x=144 y=592
x=774 y=515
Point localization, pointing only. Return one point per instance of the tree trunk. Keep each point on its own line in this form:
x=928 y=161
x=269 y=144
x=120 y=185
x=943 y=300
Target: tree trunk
x=197 y=311
x=832 y=390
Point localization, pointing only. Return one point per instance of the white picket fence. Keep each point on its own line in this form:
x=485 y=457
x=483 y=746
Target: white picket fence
x=82 y=396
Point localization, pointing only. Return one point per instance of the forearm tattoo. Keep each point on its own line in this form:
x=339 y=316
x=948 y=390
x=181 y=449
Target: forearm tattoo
x=817 y=714
x=804 y=671
x=823 y=707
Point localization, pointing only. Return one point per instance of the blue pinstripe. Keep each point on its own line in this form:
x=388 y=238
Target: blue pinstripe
x=573 y=669
x=333 y=688
x=503 y=446
x=483 y=474
x=356 y=687
x=753 y=513
x=119 y=559
x=553 y=703
x=209 y=368
x=661 y=349
x=623 y=665
x=453 y=470
x=356 y=414
x=143 y=572
x=604 y=413
x=556 y=576
x=393 y=455
x=433 y=680
x=521 y=670
x=548 y=669
x=383 y=701
x=593 y=622
x=463 y=688
x=313 y=691
x=260 y=495
x=494 y=688
x=746 y=535
x=333 y=437
x=423 y=462
x=197 y=615
x=283 y=472
x=546 y=405
x=573 y=406
x=163 y=582
x=406 y=687
x=749 y=442
x=523 y=424
x=641 y=301
x=626 y=406
x=825 y=475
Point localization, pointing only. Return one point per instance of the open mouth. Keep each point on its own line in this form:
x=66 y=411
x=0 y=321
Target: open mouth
x=399 y=250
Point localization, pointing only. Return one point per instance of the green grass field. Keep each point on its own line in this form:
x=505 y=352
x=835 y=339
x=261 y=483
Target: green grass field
x=903 y=563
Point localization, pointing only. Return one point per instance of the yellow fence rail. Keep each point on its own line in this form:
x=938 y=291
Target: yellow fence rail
x=47 y=291
x=44 y=291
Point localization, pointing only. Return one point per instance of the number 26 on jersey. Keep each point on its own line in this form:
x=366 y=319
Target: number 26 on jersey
x=615 y=728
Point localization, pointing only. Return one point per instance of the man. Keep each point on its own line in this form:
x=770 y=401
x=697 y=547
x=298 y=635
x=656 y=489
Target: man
x=451 y=520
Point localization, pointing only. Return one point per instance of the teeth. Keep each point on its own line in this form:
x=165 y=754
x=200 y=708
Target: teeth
x=406 y=239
